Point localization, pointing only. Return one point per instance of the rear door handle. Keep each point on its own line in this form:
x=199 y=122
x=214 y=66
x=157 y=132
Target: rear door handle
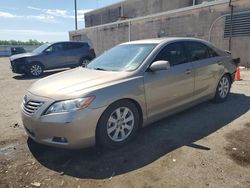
x=188 y=71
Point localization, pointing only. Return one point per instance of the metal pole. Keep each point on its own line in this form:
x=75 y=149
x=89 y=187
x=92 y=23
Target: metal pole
x=75 y=15
x=121 y=10
x=129 y=31
x=231 y=25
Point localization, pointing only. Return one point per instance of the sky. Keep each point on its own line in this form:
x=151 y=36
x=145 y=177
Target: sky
x=43 y=20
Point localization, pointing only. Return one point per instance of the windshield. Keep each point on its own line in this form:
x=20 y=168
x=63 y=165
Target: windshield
x=41 y=48
x=126 y=57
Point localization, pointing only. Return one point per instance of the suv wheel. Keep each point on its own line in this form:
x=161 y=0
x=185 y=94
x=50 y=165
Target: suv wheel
x=35 y=69
x=84 y=62
x=118 y=124
x=223 y=89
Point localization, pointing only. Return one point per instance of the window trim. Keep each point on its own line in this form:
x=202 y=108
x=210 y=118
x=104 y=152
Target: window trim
x=201 y=43
x=182 y=43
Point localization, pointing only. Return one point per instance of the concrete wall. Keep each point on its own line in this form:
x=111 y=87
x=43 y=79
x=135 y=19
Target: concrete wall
x=138 y=8
x=102 y=16
x=192 y=22
x=132 y=9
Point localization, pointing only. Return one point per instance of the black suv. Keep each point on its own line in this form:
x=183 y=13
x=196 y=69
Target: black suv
x=52 y=56
x=17 y=50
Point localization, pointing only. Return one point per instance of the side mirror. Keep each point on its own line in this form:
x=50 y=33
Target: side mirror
x=159 y=65
x=46 y=52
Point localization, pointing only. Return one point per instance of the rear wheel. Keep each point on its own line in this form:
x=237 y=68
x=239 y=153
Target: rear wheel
x=36 y=69
x=84 y=62
x=118 y=124
x=223 y=89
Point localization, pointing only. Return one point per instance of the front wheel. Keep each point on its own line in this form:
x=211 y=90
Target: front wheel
x=223 y=89
x=118 y=124
x=35 y=69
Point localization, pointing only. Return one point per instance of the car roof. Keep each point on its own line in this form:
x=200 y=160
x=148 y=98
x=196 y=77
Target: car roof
x=164 y=40
x=81 y=42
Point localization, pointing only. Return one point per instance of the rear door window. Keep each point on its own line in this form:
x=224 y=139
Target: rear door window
x=212 y=53
x=72 y=46
x=199 y=51
x=173 y=53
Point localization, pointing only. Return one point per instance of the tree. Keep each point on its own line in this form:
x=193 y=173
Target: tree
x=18 y=42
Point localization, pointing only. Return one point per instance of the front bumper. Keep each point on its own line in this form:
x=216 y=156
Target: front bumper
x=66 y=130
x=18 y=67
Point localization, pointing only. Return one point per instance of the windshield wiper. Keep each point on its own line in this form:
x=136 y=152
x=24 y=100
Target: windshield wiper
x=100 y=69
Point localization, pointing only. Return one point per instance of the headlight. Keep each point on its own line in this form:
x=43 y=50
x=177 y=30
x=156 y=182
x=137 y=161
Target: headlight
x=69 y=105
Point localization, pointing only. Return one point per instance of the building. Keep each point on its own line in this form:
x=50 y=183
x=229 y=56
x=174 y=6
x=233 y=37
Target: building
x=225 y=24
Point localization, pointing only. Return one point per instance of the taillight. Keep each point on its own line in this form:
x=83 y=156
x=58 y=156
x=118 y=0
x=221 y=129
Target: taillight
x=236 y=61
x=92 y=50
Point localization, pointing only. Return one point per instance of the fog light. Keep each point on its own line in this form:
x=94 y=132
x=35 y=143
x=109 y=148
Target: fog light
x=60 y=140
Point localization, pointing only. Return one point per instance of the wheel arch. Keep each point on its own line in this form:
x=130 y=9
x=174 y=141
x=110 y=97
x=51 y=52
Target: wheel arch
x=229 y=75
x=84 y=57
x=136 y=103
x=36 y=62
x=230 y=84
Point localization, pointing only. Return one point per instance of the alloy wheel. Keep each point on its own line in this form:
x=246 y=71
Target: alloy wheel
x=85 y=62
x=36 y=70
x=120 y=124
x=224 y=87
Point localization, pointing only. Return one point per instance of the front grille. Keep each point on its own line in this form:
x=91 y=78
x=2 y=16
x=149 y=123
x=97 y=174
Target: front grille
x=12 y=65
x=31 y=106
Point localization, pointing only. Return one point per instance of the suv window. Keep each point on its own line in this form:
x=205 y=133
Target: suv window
x=198 y=51
x=55 y=48
x=71 y=46
x=173 y=53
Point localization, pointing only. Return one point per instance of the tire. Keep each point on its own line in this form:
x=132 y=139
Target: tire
x=35 y=69
x=113 y=130
x=84 y=61
x=223 y=89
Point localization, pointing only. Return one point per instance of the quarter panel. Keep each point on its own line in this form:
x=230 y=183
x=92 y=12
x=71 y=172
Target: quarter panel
x=207 y=74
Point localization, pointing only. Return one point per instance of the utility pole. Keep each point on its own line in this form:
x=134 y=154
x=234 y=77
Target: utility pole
x=231 y=25
x=97 y=3
x=75 y=15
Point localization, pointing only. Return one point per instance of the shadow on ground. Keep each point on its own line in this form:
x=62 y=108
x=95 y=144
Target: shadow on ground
x=45 y=74
x=150 y=144
x=238 y=147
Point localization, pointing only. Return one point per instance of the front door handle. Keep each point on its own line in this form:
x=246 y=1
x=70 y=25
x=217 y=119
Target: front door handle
x=188 y=71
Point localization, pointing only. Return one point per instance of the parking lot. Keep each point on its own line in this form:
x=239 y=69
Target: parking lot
x=205 y=146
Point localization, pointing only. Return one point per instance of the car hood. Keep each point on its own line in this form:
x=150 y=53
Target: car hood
x=18 y=56
x=75 y=83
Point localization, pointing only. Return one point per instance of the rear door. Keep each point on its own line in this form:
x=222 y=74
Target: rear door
x=168 y=89
x=206 y=63
x=70 y=52
x=83 y=51
x=75 y=51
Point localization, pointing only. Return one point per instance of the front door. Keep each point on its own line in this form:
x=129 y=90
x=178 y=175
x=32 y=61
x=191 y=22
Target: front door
x=54 y=56
x=168 y=89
